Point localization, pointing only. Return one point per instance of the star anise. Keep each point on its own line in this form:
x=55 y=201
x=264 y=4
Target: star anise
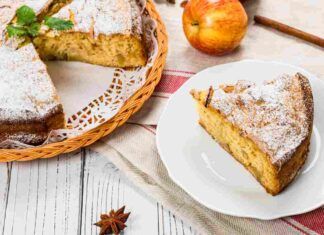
x=114 y=222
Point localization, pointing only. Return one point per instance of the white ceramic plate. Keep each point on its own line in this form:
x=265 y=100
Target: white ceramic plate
x=211 y=176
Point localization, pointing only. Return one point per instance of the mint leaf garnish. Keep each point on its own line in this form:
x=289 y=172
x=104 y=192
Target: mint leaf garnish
x=25 y=15
x=16 y=31
x=27 y=24
x=33 y=29
x=58 y=24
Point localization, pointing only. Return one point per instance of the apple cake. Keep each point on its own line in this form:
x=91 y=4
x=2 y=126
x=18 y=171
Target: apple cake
x=266 y=128
x=102 y=32
x=29 y=105
x=105 y=32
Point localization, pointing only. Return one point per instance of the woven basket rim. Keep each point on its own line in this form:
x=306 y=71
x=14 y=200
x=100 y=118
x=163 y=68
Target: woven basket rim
x=131 y=106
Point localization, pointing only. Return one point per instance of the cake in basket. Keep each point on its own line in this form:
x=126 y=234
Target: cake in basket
x=29 y=104
x=266 y=128
x=105 y=32
x=102 y=32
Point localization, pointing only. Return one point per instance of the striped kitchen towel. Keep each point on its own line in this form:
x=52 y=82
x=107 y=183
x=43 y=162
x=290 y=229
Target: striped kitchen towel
x=132 y=149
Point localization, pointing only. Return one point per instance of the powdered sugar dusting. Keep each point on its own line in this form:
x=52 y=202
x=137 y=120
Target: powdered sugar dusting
x=274 y=115
x=104 y=16
x=26 y=90
x=107 y=104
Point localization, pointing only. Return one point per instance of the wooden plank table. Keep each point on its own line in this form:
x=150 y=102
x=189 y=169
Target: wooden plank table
x=67 y=194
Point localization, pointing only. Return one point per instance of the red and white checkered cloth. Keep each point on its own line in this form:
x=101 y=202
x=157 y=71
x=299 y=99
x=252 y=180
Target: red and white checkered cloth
x=132 y=147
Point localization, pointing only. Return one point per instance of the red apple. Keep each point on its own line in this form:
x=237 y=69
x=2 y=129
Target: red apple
x=214 y=26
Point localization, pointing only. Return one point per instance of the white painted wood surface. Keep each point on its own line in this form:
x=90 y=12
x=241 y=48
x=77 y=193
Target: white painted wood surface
x=67 y=194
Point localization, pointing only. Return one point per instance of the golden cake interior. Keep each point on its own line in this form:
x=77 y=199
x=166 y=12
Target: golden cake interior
x=115 y=50
x=272 y=177
x=125 y=49
x=120 y=45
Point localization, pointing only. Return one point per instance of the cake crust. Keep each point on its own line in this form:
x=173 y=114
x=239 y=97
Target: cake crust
x=277 y=118
x=107 y=17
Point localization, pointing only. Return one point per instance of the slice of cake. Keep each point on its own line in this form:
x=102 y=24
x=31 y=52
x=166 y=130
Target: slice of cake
x=266 y=128
x=29 y=105
x=105 y=32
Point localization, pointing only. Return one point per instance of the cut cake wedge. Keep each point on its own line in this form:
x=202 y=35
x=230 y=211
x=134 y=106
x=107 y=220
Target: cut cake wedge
x=105 y=32
x=29 y=105
x=266 y=128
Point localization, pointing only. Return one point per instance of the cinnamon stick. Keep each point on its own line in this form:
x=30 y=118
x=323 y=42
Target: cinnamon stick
x=289 y=30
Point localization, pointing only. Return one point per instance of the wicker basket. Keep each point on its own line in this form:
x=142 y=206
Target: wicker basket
x=130 y=107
